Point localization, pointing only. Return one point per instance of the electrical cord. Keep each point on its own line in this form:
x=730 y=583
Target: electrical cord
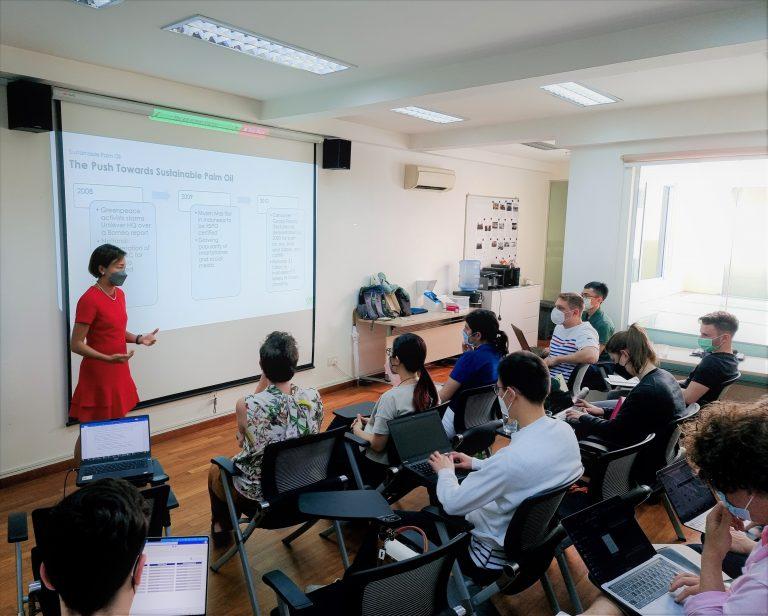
x=66 y=477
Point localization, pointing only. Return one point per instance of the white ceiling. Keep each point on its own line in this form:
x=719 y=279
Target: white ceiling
x=419 y=52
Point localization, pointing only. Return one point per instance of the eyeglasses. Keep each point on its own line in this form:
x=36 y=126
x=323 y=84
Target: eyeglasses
x=389 y=352
x=497 y=390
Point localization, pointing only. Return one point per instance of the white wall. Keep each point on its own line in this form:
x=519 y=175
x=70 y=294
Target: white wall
x=366 y=223
x=598 y=220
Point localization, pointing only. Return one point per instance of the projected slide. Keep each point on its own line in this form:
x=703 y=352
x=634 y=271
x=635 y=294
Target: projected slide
x=210 y=236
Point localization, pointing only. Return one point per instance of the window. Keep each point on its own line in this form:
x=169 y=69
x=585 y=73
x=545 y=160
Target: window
x=700 y=245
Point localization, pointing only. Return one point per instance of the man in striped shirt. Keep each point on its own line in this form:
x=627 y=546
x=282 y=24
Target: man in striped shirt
x=574 y=341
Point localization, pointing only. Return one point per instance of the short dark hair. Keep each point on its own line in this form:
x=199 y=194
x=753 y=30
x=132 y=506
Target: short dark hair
x=574 y=300
x=730 y=445
x=91 y=542
x=598 y=287
x=104 y=256
x=723 y=321
x=279 y=357
x=527 y=373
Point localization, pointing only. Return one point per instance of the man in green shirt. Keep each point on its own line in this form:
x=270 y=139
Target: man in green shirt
x=594 y=295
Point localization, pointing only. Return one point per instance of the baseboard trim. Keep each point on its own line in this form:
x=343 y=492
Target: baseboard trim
x=65 y=465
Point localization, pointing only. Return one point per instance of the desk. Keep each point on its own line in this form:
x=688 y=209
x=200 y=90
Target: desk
x=441 y=332
x=347 y=505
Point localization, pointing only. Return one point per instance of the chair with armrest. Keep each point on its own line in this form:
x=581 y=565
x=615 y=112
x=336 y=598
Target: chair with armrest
x=313 y=463
x=477 y=438
x=417 y=586
x=530 y=542
x=726 y=385
x=475 y=408
x=39 y=599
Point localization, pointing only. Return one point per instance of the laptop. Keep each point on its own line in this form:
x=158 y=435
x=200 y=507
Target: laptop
x=690 y=497
x=621 y=559
x=521 y=340
x=117 y=448
x=416 y=437
x=175 y=578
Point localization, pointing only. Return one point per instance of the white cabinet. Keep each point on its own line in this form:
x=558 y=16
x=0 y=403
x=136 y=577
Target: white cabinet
x=518 y=305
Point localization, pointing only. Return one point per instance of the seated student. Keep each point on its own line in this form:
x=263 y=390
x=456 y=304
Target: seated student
x=573 y=341
x=92 y=548
x=655 y=401
x=416 y=392
x=594 y=295
x=277 y=411
x=541 y=455
x=484 y=345
x=705 y=383
x=730 y=447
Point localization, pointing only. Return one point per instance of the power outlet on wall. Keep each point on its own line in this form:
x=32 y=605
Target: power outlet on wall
x=333 y=361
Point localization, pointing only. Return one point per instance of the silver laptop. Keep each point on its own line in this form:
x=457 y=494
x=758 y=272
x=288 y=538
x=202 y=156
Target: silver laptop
x=174 y=581
x=689 y=496
x=621 y=559
x=117 y=448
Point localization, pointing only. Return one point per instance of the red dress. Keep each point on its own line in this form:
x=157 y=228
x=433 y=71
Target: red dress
x=104 y=390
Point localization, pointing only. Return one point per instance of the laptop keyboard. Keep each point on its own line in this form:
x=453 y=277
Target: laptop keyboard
x=647 y=584
x=115 y=467
x=423 y=467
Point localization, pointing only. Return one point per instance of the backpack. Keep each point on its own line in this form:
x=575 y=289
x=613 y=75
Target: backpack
x=372 y=304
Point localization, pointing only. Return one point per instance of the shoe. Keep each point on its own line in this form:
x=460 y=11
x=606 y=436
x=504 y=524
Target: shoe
x=221 y=538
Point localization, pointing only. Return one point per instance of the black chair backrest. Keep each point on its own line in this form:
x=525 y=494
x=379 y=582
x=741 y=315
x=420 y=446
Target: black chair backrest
x=417 y=586
x=474 y=407
x=676 y=430
x=157 y=497
x=726 y=385
x=533 y=521
x=297 y=463
x=611 y=474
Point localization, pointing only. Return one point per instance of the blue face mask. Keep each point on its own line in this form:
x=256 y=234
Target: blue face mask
x=465 y=335
x=736 y=512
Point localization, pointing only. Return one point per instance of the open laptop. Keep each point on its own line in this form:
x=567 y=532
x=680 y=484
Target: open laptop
x=175 y=577
x=521 y=340
x=690 y=497
x=117 y=448
x=621 y=560
x=415 y=437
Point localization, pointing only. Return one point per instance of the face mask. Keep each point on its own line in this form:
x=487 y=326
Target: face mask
x=708 y=344
x=587 y=303
x=465 y=335
x=557 y=316
x=622 y=370
x=117 y=278
x=737 y=512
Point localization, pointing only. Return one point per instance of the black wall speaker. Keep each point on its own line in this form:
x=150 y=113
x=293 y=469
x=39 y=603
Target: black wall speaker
x=29 y=106
x=337 y=154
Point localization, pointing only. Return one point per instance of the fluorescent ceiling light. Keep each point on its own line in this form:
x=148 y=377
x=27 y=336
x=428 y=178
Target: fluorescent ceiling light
x=256 y=45
x=426 y=114
x=578 y=94
x=97 y=4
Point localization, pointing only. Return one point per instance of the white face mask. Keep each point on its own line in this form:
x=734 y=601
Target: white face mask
x=557 y=316
x=587 y=303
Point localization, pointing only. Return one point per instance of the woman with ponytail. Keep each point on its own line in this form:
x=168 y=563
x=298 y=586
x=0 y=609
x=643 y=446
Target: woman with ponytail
x=649 y=408
x=416 y=392
x=484 y=345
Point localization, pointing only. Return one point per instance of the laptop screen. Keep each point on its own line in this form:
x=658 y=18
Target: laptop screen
x=175 y=577
x=114 y=438
x=608 y=539
x=418 y=435
x=688 y=494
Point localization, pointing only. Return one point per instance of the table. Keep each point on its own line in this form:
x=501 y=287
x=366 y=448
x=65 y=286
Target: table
x=347 y=505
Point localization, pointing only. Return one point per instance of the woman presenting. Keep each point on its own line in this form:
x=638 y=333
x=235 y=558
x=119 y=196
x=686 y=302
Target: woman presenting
x=105 y=389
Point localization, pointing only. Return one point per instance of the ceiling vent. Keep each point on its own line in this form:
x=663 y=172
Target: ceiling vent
x=542 y=145
x=429 y=178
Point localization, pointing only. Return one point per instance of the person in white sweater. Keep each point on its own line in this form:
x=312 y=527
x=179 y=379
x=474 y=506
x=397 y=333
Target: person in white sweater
x=543 y=454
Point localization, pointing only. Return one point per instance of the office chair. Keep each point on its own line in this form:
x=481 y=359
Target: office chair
x=417 y=586
x=39 y=599
x=289 y=468
x=530 y=542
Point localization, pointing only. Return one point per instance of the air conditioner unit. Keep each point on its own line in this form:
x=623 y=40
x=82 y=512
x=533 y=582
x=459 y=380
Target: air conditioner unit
x=429 y=178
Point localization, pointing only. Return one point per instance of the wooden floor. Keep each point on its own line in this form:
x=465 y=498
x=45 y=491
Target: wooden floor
x=311 y=559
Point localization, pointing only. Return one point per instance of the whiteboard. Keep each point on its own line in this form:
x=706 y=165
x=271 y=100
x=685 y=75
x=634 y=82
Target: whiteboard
x=490 y=229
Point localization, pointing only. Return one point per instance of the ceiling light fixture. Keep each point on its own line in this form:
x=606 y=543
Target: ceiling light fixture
x=426 y=114
x=578 y=94
x=97 y=4
x=256 y=45
x=542 y=145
